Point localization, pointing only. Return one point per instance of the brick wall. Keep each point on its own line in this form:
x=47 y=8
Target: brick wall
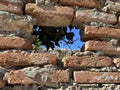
x=95 y=67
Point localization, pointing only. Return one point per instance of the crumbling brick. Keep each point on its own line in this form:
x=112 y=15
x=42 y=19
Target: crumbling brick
x=81 y=3
x=82 y=16
x=26 y=59
x=102 y=46
x=86 y=61
x=52 y=76
x=96 y=77
x=15 y=43
x=91 y=32
x=56 y=16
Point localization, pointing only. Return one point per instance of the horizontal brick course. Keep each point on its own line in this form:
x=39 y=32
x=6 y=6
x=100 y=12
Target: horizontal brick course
x=93 y=16
x=103 y=46
x=91 y=32
x=96 y=77
x=21 y=59
x=81 y=3
x=55 y=16
x=117 y=62
x=14 y=7
x=15 y=23
x=86 y=61
x=49 y=77
x=15 y=43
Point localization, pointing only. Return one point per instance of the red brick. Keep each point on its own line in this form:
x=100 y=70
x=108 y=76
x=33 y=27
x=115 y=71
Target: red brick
x=86 y=61
x=2 y=83
x=93 y=16
x=81 y=3
x=103 y=46
x=20 y=59
x=117 y=62
x=55 y=16
x=15 y=23
x=14 y=43
x=11 y=6
x=91 y=32
x=52 y=77
x=96 y=77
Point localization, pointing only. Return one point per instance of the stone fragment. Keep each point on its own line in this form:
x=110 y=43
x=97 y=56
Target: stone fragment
x=115 y=6
x=56 y=16
x=82 y=16
x=25 y=59
x=81 y=3
x=14 y=43
x=117 y=62
x=91 y=32
x=86 y=61
x=96 y=77
x=38 y=75
x=12 y=6
x=105 y=47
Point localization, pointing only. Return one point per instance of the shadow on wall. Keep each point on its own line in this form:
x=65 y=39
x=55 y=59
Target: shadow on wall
x=57 y=37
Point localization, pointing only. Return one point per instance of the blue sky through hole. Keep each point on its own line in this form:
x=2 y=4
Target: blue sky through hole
x=77 y=42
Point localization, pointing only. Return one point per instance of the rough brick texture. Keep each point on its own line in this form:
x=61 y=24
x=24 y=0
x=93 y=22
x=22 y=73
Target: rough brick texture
x=14 y=43
x=15 y=23
x=52 y=76
x=91 y=32
x=14 y=7
x=117 y=62
x=82 y=3
x=86 y=61
x=96 y=77
x=93 y=16
x=26 y=59
x=2 y=83
x=55 y=16
x=103 y=46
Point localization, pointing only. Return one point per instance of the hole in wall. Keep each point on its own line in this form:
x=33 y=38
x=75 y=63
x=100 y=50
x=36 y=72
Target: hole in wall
x=57 y=37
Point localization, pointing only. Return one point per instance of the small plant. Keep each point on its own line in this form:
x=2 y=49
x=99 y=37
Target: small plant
x=50 y=36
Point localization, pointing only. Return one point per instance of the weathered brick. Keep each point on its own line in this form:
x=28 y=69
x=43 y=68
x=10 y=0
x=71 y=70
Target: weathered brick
x=55 y=16
x=92 y=32
x=2 y=83
x=37 y=76
x=102 y=46
x=93 y=16
x=15 y=23
x=86 y=61
x=83 y=3
x=96 y=77
x=117 y=62
x=14 y=43
x=25 y=59
x=11 y=6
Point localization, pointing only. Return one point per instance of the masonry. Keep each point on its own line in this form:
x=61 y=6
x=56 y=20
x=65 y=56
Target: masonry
x=95 y=67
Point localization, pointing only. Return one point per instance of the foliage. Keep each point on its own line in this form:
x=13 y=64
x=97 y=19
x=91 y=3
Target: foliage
x=50 y=36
